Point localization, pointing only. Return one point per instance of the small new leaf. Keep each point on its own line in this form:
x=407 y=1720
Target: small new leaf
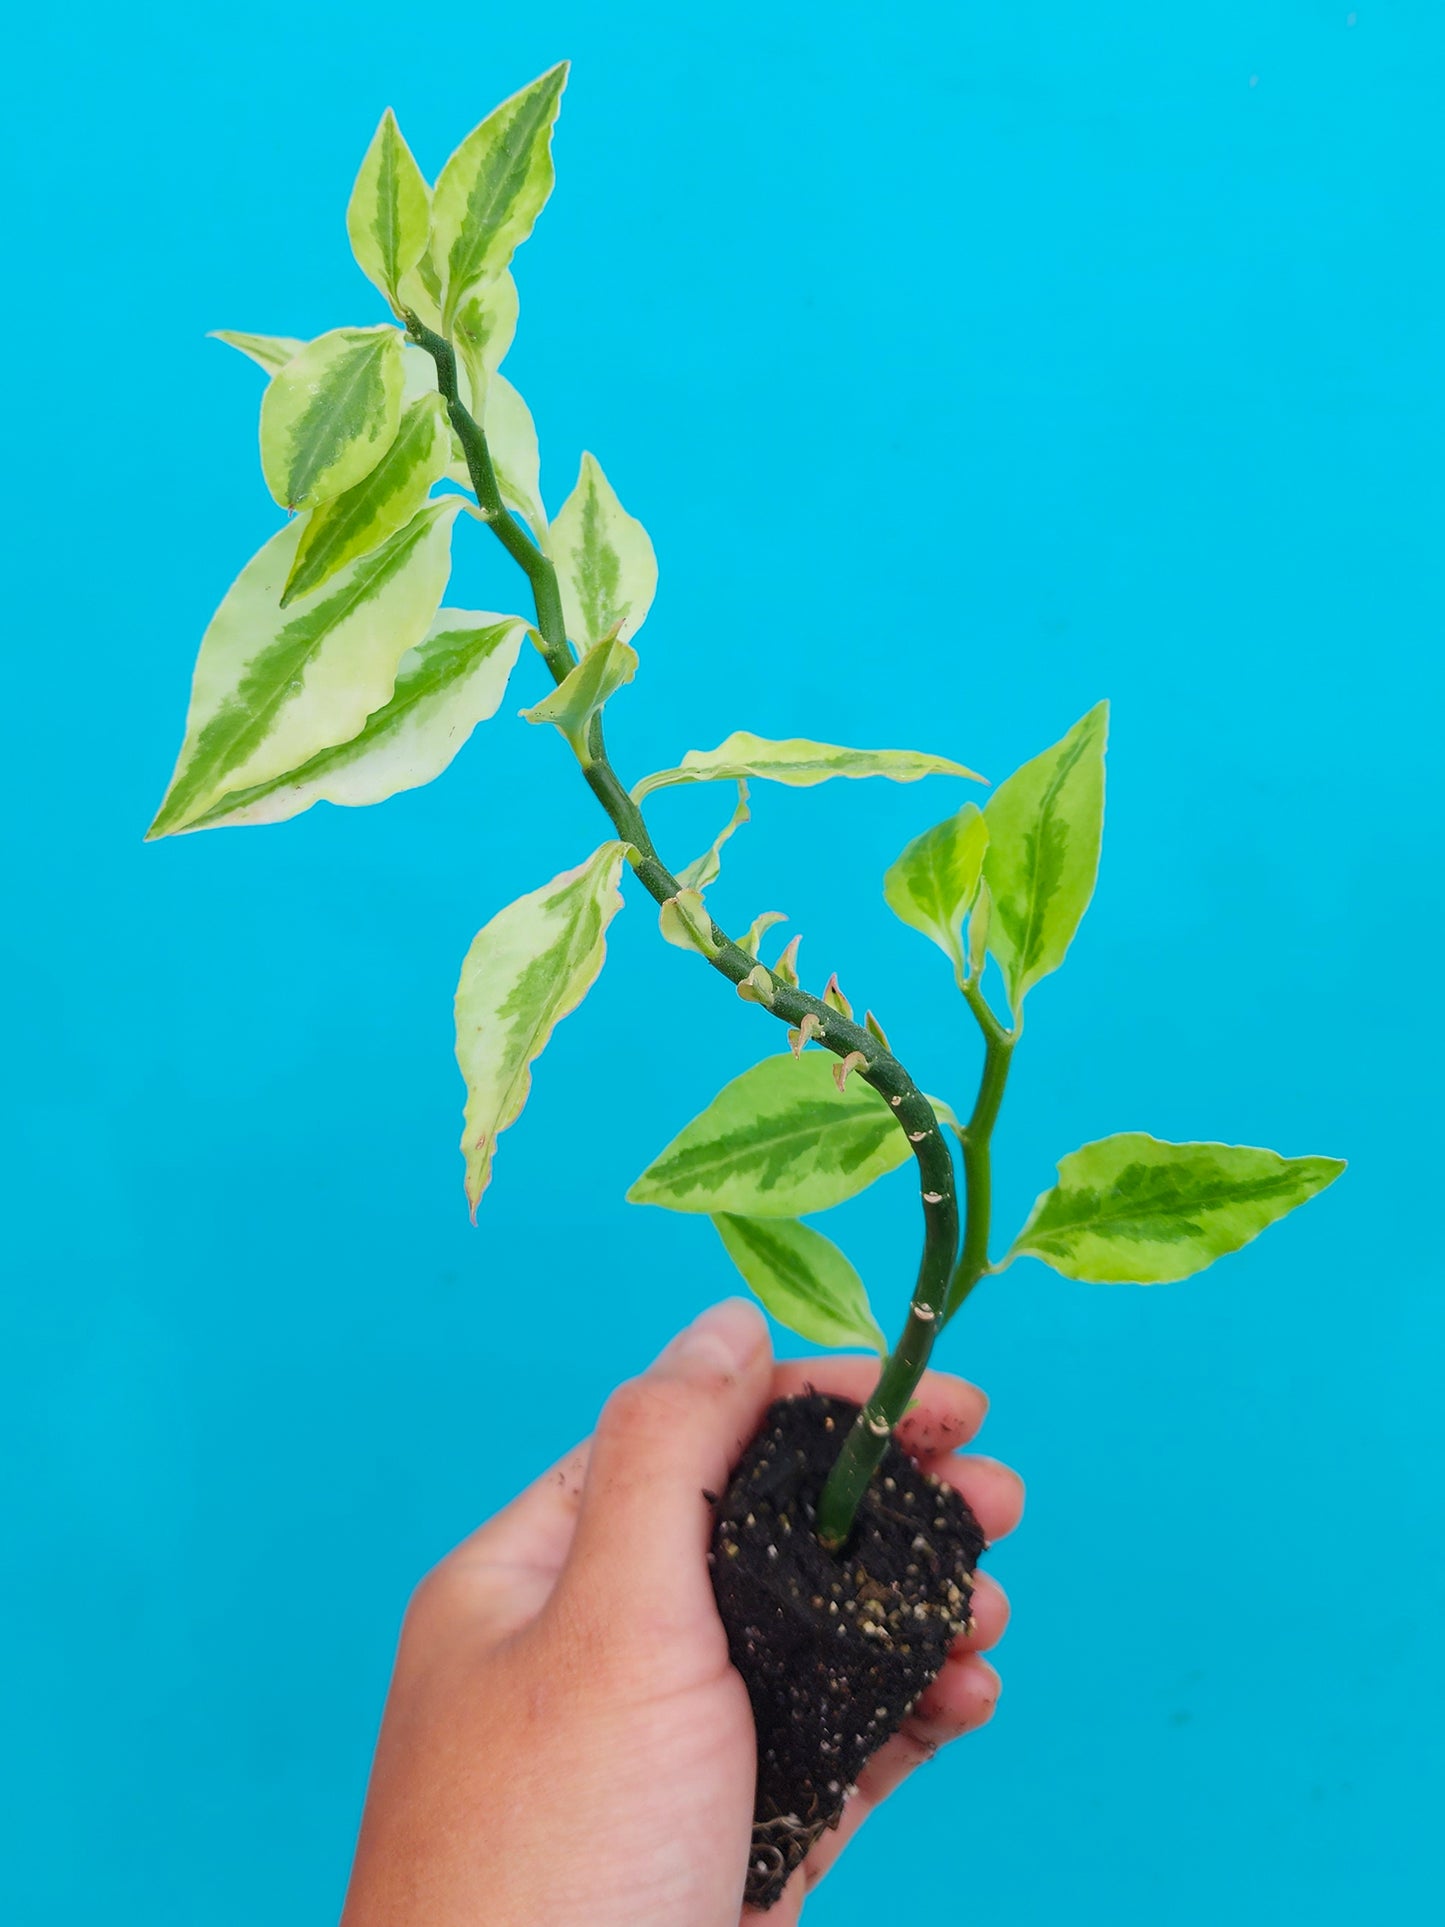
x=842 y=1070
x=604 y=560
x=1044 y=829
x=834 y=998
x=584 y=691
x=532 y=964
x=684 y=921
x=802 y=1278
x=271 y=352
x=389 y=211
x=757 y=988
x=383 y=501
x=485 y=326
x=778 y=1142
x=330 y=414
x=786 y=968
x=454 y=679
x=933 y=884
x=272 y=687
x=798 y=763
x=706 y=869
x=490 y=192
x=759 y=928
x=1133 y=1209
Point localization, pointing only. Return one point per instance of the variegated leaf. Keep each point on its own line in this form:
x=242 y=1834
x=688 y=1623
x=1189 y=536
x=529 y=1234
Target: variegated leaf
x=803 y=1279
x=684 y=922
x=485 y=327
x=420 y=292
x=273 y=687
x=583 y=692
x=389 y=213
x=330 y=414
x=1044 y=828
x=512 y=440
x=383 y=501
x=933 y=884
x=532 y=964
x=705 y=869
x=491 y=191
x=604 y=559
x=453 y=679
x=1133 y=1209
x=271 y=352
x=798 y=763
x=778 y=1142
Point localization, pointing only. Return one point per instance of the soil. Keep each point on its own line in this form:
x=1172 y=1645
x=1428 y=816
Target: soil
x=834 y=1648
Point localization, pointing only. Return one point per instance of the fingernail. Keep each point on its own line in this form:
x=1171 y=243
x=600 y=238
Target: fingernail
x=727 y=1337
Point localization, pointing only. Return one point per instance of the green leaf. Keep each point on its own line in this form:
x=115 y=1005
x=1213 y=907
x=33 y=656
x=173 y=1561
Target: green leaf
x=798 y=763
x=778 y=1142
x=421 y=291
x=271 y=352
x=583 y=692
x=365 y=515
x=452 y=680
x=486 y=325
x=933 y=884
x=803 y=1279
x=532 y=964
x=330 y=414
x=706 y=869
x=389 y=212
x=1044 y=829
x=492 y=189
x=272 y=688
x=604 y=560
x=1134 y=1210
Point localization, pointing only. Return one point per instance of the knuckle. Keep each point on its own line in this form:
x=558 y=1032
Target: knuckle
x=643 y=1409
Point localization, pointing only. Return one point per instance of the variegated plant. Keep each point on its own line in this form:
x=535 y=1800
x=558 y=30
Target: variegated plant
x=331 y=671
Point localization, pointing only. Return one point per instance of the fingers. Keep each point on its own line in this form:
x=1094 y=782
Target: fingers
x=994 y=1491
x=960 y=1700
x=662 y=1441
x=947 y=1414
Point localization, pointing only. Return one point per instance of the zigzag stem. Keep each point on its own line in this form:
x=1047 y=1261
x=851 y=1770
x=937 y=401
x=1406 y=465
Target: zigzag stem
x=868 y=1439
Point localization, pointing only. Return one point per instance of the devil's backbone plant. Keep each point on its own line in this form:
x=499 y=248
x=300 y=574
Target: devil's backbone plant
x=332 y=672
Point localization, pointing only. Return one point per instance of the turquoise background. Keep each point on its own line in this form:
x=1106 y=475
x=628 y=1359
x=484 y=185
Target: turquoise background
x=966 y=363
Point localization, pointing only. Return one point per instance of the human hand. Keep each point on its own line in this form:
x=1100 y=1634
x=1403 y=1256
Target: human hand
x=565 y=1743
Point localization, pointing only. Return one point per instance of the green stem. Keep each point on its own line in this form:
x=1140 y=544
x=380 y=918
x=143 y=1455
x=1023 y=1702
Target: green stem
x=977 y=1136
x=868 y=1438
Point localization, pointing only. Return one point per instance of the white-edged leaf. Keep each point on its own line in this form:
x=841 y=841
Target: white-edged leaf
x=484 y=330
x=274 y=686
x=532 y=964
x=421 y=291
x=389 y=213
x=329 y=415
x=778 y=1142
x=1044 y=829
x=271 y=352
x=490 y=192
x=1133 y=1209
x=582 y=693
x=452 y=680
x=933 y=884
x=604 y=559
x=364 y=516
x=512 y=440
x=798 y=763
x=803 y=1279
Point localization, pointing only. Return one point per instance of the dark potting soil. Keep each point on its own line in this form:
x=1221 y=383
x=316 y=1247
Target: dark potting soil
x=834 y=1648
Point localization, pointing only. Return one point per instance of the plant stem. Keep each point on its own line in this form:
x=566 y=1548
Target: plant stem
x=868 y=1439
x=977 y=1136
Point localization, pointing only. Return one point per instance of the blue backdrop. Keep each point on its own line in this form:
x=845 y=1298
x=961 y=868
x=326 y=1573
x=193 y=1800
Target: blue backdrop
x=988 y=359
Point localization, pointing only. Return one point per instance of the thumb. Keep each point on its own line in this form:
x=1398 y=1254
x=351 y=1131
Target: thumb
x=662 y=1441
